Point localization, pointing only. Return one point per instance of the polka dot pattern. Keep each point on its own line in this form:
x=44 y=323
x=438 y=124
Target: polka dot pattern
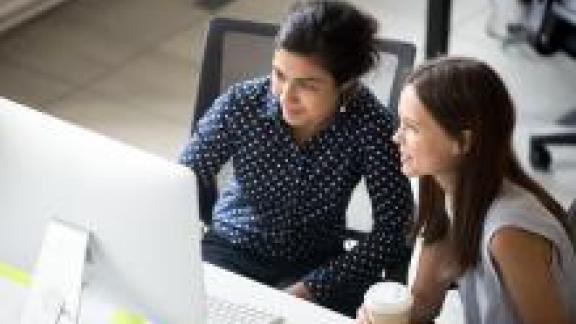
x=288 y=202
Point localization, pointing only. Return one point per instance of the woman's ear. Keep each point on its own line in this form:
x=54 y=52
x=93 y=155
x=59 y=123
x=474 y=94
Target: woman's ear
x=463 y=145
x=466 y=143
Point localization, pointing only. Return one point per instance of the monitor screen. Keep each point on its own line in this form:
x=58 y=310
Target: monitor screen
x=139 y=209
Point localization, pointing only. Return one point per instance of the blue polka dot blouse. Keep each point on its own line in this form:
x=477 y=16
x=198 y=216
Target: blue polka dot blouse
x=287 y=202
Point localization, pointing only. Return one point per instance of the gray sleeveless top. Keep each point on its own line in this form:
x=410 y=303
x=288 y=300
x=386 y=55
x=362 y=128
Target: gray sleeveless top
x=483 y=296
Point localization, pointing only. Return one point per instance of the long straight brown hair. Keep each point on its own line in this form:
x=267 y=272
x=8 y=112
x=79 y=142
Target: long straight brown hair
x=466 y=94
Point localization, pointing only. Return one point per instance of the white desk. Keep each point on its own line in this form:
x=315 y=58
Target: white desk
x=230 y=286
x=219 y=283
x=224 y=284
x=12 y=297
x=227 y=285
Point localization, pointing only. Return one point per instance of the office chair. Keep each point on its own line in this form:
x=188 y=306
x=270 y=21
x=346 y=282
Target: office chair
x=237 y=50
x=572 y=221
x=553 y=28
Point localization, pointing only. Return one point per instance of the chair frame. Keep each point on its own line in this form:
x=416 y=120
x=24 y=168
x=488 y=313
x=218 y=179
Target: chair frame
x=544 y=40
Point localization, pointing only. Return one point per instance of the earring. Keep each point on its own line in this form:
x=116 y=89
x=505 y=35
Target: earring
x=348 y=90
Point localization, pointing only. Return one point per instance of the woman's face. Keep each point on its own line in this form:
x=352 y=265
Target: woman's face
x=308 y=93
x=425 y=147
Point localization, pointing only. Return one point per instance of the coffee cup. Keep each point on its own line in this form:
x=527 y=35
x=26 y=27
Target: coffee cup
x=388 y=303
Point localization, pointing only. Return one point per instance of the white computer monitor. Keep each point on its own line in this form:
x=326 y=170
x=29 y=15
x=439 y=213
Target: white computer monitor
x=140 y=211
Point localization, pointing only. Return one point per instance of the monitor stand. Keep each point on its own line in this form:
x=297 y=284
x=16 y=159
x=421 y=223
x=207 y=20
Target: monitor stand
x=54 y=296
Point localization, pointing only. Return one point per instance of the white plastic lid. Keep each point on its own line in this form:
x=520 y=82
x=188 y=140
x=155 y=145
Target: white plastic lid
x=388 y=298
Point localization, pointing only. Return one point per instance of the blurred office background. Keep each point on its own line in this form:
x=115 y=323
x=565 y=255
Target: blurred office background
x=128 y=68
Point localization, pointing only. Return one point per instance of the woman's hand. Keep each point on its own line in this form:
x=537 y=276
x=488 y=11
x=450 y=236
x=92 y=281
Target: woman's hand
x=299 y=290
x=362 y=316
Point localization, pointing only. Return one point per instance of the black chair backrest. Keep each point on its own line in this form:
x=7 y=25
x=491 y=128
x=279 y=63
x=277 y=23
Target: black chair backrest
x=572 y=221
x=237 y=50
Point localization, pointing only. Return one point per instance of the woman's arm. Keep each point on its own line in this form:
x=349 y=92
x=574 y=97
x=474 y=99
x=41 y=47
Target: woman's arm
x=392 y=205
x=435 y=273
x=523 y=260
x=212 y=143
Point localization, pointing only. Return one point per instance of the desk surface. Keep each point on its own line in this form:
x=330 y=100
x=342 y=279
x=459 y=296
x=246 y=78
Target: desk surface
x=227 y=285
x=219 y=283
x=224 y=284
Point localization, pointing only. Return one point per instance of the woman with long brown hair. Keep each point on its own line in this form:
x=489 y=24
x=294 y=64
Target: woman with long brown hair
x=486 y=225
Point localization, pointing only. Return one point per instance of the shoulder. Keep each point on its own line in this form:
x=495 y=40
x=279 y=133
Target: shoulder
x=244 y=98
x=516 y=245
x=517 y=220
x=249 y=90
x=516 y=206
